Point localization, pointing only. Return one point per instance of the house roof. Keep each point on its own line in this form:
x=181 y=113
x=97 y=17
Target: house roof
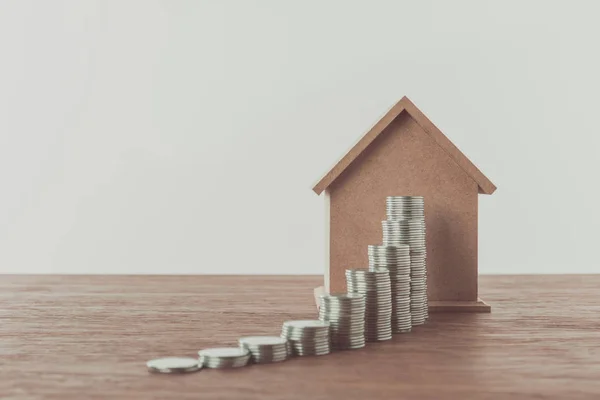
x=405 y=105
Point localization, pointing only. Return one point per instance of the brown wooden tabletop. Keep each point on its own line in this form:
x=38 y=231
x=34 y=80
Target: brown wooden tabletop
x=89 y=337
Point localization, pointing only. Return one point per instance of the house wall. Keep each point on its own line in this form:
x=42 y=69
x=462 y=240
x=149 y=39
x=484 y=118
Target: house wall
x=327 y=198
x=405 y=160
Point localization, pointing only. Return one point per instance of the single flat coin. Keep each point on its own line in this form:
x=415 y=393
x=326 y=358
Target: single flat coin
x=224 y=352
x=263 y=340
x=173 y=365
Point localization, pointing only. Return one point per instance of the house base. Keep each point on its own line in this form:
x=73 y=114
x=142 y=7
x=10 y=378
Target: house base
x=478 y=306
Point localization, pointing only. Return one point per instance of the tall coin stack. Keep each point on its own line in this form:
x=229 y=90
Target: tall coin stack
x=375 y=286
x=406 y=225
x=396 y=259
x=307 y=337
x=345 y=314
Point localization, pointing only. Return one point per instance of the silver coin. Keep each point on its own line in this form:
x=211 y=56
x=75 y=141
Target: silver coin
x=344 y=308
x=311 y=349
x=173 y=365
x=308 y=333
x=353 y=344
x=366 y=273
x=418 y=286
x=398 y=287
x=380 y=338
x=338 y=320
x=311 y=353
x=309 y=340
x=402 y=329
x=402 y=320
x=306 y=324
x=335 y=316
x=262 y=341
x=311 y=345
x=308 y=344
x=339 y=323
x=342 y=297
x=270 y=353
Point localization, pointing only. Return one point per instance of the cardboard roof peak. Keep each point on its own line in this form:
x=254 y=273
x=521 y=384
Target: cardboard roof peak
x=405 y=105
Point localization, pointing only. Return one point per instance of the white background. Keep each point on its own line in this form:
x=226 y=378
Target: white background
x=185 y=136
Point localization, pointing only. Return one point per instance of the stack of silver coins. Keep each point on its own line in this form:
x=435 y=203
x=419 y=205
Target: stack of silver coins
x=406 y=225
x=410 y=232
x=375 y=286
x=224 y=357
x=307 y=337
x=396 y=259
x=266 y=349
x=405 y=207
x=345 y=314
x=174 y=365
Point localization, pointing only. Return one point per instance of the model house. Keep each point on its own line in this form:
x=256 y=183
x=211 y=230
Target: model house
x=406 y=154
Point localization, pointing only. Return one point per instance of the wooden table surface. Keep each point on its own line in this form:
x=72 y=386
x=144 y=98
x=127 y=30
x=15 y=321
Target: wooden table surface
x=89 y=337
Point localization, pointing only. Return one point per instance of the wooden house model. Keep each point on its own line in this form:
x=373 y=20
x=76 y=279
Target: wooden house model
x=406 y=154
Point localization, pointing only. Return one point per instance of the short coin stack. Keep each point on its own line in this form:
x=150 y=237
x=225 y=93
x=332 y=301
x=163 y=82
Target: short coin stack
x=266 y=349
x=174 y=365
x=345 y=314
x=376 y=288
x=307 y=337
x=406 y=225
x=396 y=259
x=224 y=357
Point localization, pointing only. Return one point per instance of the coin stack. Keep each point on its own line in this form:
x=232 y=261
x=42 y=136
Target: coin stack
x=396 y=259
x=405 y=207
x=174 y=365
x=375 y=286
x=307 y=337
x=224 y=357
x=345 y=314
x=406 y=225
x=418 y=287
x=266 y=349
x=406 y=231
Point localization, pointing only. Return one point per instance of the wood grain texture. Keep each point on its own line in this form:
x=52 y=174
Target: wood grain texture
x=88 y=337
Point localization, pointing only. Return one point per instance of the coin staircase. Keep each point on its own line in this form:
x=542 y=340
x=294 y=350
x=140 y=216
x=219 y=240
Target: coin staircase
x=388 y=297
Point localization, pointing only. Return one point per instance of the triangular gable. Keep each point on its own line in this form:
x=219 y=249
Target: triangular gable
x=405 y=105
